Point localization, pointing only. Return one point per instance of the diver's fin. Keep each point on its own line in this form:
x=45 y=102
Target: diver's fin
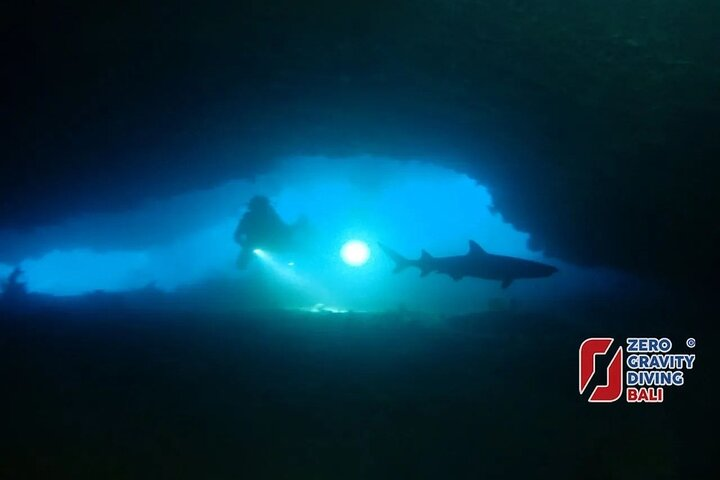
x=475 y=248
x=401 y=263
x=506 y=283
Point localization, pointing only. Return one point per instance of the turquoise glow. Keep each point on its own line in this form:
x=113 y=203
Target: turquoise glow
x=187 y=240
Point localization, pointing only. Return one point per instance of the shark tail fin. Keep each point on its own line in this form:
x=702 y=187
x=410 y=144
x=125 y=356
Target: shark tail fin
x=401 y=263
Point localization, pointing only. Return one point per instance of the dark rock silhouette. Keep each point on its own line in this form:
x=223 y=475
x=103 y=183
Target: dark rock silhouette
x=14 y=290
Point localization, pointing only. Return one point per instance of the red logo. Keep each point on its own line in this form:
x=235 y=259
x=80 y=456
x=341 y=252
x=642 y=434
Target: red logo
x=613 y=389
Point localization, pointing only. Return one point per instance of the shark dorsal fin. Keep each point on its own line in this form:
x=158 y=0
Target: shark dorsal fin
x=475 y=248
x=425 y=255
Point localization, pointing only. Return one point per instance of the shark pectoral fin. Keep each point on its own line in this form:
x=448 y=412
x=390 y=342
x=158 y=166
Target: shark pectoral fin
x=506 y=283
x=456 y=277
x=425 y=272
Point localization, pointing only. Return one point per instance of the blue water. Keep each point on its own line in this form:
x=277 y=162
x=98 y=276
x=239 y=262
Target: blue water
x=180 y=242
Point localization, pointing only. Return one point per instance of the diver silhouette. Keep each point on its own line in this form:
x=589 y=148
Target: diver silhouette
x=262 y=228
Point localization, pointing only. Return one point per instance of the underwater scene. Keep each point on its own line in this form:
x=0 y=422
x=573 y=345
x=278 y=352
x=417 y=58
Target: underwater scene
x=460 y=239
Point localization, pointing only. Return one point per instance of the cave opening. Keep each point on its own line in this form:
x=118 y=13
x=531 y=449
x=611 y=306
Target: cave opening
x=183 y=245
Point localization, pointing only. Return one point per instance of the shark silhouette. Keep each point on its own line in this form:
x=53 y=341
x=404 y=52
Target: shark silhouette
x=475 y=263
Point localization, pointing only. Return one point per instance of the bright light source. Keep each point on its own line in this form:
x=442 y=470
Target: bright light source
x=261 y=254
x=355 y=253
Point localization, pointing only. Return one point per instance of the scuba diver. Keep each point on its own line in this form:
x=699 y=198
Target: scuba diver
x=262 y=228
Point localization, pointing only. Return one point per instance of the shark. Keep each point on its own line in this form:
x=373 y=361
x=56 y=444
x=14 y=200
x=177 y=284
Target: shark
x=475 y=263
